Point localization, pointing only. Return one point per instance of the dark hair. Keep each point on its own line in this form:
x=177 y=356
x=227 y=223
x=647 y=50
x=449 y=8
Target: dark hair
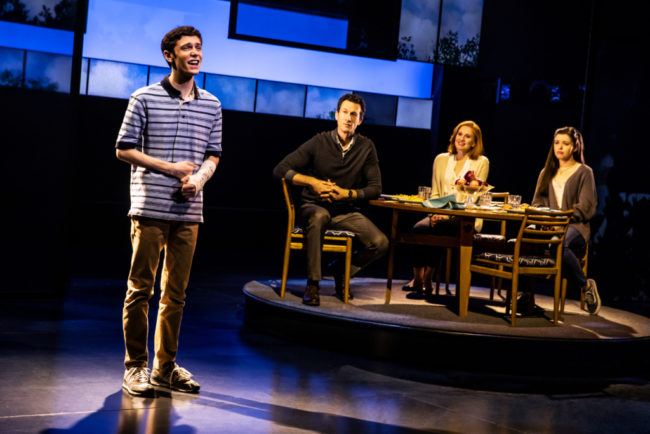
x=352 y=98
x=552 y=163
x=477 y=150
x=169 y=40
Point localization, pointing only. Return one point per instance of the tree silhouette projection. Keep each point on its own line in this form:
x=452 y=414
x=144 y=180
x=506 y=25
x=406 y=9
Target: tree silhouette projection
x=450 y=50
x=62 y=16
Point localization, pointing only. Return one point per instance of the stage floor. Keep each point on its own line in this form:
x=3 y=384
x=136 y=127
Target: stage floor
x=409 y=321
x=61 y=368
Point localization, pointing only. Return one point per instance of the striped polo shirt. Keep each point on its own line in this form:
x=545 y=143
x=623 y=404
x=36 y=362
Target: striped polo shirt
x=160 y=124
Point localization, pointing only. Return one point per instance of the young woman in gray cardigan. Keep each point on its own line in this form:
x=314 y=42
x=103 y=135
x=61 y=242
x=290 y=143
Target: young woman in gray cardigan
x=566 y=182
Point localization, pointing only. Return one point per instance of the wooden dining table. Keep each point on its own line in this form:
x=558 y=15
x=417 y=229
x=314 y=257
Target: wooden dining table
x=464 y=240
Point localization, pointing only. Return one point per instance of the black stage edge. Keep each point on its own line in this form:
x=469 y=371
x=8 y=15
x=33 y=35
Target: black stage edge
x=437 y=348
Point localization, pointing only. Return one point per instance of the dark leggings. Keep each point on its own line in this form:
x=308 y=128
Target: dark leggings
x=430 y=255
x=574 y=244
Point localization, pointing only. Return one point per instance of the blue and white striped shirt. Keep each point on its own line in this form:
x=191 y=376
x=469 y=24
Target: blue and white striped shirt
x=160 y=124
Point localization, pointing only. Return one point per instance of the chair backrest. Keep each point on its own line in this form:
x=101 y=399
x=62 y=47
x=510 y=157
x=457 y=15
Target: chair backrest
x=541 y=229
x=500 y=197
x=291 y=209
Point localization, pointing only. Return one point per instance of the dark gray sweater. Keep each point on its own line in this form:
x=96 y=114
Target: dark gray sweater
x=321 y=157
x=579 y=195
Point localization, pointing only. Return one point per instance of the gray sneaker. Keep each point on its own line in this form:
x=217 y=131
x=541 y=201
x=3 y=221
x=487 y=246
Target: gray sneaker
x=592 y=299
x=136 y=381
x=176 y=378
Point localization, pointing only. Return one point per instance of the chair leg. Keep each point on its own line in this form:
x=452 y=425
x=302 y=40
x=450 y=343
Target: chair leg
x=494 y=279
x=438 y=276
x=513 y=299
x=346 y=276
x=556 y=298
x=496 y=283
x=285 y=267
x=507 y=299
x=448 y=269
x=563 y=295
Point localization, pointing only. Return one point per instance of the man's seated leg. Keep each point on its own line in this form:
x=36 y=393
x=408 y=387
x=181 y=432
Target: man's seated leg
x=370 y=243
x=315 y=218
x=337 y=269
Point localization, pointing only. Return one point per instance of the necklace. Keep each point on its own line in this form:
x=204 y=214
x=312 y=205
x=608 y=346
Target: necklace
x=568 y=167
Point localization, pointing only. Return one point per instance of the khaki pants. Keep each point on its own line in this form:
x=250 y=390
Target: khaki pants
x=148 y=238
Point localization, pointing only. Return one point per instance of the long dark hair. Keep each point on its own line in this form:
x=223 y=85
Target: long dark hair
x=552 y=163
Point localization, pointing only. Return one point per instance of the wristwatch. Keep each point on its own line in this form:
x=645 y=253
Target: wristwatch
x=350 y=194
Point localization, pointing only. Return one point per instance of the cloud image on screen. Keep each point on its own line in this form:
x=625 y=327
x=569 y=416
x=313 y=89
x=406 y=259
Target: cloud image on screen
x=280 y=98
x=460 y=32
x=235 y=93
x=47 y=71
x=115 y=79
x=321 y=102
x=457 y=42
x=414 y=113
x=11 y=67
x=418 y=29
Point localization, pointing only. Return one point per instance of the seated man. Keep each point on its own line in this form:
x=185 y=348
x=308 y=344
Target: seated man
x=338 y=169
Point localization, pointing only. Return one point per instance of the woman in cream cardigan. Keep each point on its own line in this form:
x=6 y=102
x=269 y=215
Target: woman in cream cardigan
x=566 y=182
x=465 y=153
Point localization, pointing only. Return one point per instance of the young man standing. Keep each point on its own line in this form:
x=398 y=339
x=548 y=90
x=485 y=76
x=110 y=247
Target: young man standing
x=171 y=136
x=338 y=169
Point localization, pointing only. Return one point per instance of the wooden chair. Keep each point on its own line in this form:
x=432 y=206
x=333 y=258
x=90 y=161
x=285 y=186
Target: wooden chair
x=583 y=262
x=333 y=241
x=447 y=258
x=539 y=230
x=499 y=238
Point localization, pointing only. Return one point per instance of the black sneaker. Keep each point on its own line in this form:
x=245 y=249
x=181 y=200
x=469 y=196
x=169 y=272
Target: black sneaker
x=175 y=378
x=592 y=298
x=136 y=381
x=311 y=297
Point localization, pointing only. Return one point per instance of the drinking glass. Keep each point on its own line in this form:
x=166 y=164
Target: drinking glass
x=485 y=199
x=514 y=200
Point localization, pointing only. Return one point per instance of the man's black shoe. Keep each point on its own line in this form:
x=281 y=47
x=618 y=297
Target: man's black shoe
x=311 y=297
x=339 y=292
x=336 y=269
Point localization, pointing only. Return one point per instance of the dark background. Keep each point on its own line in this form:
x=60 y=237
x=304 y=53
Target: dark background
x=66 y=195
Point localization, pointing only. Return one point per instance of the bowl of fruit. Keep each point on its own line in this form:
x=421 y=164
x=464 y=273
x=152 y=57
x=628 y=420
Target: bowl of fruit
x=470 y=188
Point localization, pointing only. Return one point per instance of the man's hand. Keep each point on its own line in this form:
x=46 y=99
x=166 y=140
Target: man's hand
x=435 y=218
x=188 y=190
x=339 y=193
x=181 y=169
x=323 y=189
x=178 y=170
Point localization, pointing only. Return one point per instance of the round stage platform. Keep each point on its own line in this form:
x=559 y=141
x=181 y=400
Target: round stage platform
x=428 y=331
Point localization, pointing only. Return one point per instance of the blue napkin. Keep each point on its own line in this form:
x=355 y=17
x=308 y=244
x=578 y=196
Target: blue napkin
x=446 y=202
